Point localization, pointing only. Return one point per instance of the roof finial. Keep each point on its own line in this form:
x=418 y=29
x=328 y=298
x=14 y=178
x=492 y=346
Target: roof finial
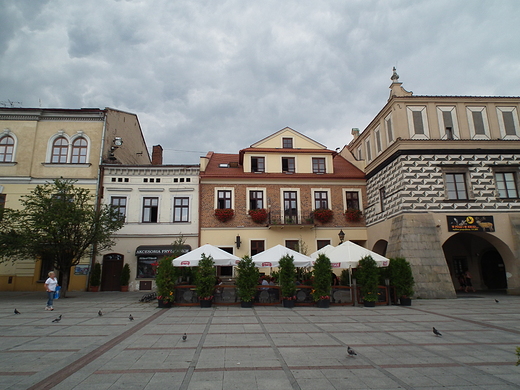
x=395 y=76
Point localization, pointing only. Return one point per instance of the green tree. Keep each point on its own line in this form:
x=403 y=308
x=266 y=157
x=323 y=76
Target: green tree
x=167 y=274
x=367 y=275
x=287 y=276
x=247 y=279
x=322 y=277
x=60 y=221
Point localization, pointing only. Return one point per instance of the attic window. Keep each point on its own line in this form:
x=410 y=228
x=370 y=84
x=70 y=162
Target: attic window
x=287 y=143
x=223 y=165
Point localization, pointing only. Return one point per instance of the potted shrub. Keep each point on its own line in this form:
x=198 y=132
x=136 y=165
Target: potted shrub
x=401 y=278
x=205 y=280
x=246 y=281
x=367 y=276
x=224 y=215
x=95 y=278
x=125 y=277
x=258 y=215
x=353 y=215
x=165 y=279
x=323 y=215
x=322 y=281
x=287 y=276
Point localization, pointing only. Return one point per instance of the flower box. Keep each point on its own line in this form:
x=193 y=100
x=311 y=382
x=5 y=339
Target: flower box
x=323 y=215
x=258 y=215
x=353 y=215
x=224 y=215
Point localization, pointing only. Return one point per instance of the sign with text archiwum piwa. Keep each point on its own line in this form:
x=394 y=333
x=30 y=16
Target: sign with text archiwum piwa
x=471 y=223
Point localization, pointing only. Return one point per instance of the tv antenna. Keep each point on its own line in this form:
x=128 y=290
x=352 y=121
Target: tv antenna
x=10 y=103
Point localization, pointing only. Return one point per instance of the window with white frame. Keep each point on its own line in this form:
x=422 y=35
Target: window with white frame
x=224 y=199
x=448 y=125
x=150 y=209
x=181 y=209
x=6 y=148
x=352 y=200
x=368 y=148
x=418 y=122
x=60 y=150
x=478 y=122
x=506 y=183
x=318 y=165
x=79 y=151
x=257 y=164
x=321 y=200
x=288 y=164
x=256 y=199
x=379 y=146
x=389 y=130
x=508 y=122
x=65 y=150
x=119 y=203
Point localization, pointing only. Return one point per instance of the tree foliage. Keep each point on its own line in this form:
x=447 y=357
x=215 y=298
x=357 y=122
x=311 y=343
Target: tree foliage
x=59 y=221
x=247 y=279
x=322 y=277
x=287 y=276
x=367 y=275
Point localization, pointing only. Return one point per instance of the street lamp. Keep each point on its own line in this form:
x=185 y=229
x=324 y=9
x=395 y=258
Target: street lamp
x=341 y=236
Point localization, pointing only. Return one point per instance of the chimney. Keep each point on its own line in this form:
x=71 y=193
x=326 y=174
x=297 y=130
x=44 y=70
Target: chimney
x=157 y=155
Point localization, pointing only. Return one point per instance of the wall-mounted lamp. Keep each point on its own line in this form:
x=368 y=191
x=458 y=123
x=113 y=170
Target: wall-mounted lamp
x=118 y=141
x=237 y=242
x=341 y=236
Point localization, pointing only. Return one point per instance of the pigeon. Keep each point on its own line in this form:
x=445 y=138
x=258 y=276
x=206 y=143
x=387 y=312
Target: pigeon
x=100 y=313
x=351 y=352
x=16 y=311
x=130 y=317
x=184 y=337
x=496 y=300
x=436 y=332
x=57 y=319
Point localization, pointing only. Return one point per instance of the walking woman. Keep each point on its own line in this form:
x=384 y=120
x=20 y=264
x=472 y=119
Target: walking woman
x=50 y=287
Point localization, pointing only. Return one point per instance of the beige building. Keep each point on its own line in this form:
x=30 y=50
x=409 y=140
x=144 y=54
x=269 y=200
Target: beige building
x=442 y=188
x=39 y=145
x=160 y=204
x=289 y=176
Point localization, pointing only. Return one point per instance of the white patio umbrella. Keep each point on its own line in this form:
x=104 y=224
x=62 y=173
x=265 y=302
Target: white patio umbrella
x=348 y=254
x=326 y=249
x=191 y=259
x=271 y=257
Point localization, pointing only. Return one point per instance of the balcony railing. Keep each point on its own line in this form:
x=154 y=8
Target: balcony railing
x=302 y=218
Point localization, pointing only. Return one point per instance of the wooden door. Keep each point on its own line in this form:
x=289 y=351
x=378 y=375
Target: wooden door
x=111 y=274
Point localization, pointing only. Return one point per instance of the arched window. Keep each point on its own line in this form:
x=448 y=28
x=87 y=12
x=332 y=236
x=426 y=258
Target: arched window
x=6 y=149
x=79 y=151
x=60 y=148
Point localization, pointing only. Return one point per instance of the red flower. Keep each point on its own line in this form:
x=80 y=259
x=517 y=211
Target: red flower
x=353 y=215
x=258 y=215
x=323 y=215
x=224 y=215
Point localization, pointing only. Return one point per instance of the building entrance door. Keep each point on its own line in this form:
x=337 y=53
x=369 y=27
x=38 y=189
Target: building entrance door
x=111 y=274
x=493 y=270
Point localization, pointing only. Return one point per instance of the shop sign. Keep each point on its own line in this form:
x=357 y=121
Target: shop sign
x=470 y=223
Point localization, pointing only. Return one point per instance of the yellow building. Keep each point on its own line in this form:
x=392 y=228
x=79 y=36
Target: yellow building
x=289 y=176
x=39 y=145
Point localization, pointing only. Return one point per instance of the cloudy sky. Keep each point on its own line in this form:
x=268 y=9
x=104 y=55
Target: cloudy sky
x=220 y=75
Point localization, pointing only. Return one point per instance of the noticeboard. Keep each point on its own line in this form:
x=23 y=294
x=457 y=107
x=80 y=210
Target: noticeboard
x=471 y=223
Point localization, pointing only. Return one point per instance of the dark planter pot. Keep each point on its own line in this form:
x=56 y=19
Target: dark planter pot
x=205 y=302
x=369 y=304
x=94 y=288
x=246 y=304
x=324 y=303
x=288 y=303
x=163 y=305
x=405 y=301
x=124 y=288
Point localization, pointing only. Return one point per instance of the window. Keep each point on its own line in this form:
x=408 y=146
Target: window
x=257 y=164
x=378 y=140
x=321 y=200
x=508 y=121
x=79 y=151
x=181 y=209
x=417 y=122
x=290 y=206
x=150 y=210
x=352 y=200
x=478 y=123
x=287 y=143
x=60 y=148
x=389 y=131
x=369 y=149
x=223 y=199
x=318 y=165
x=382 y=196
x=256 y=200
x=2 y=205
x=456 y=186
x=322 y=243
x=6 y=149
x=257 y=246
x=506 y=185
x=119 y=203
x=292 y=244
x=288 y=164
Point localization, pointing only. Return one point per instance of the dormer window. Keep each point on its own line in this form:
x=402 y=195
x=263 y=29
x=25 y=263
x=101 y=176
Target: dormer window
x=318 y=165
x=257 y=164
x=287 y=143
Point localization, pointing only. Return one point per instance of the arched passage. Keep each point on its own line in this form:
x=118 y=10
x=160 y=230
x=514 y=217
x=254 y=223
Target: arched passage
x=380 y=247
x=483 y=255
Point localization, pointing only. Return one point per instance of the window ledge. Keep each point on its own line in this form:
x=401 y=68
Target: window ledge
x=459 y=201
x=8 y=163
x=67 y=165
